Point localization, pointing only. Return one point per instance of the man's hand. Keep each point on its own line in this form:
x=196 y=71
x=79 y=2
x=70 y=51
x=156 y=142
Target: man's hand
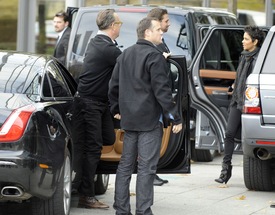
x=177 y=128
x=117 y=116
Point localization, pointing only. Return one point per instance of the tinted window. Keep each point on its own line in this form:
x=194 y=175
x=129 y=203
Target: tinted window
x=269 y=63
x=34 y=86
x=246 y=19
x=214 y=18
x=54 y=84
x=177 y=38
x=87 y=29
x=223 y=50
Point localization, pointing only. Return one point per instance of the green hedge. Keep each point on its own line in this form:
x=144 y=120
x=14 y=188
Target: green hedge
x=8 y=34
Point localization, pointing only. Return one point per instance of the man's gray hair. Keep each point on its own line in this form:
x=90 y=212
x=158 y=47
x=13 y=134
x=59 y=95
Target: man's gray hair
x=105 y=19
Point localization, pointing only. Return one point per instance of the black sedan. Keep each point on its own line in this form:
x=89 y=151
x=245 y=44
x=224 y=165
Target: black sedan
x=36 y=147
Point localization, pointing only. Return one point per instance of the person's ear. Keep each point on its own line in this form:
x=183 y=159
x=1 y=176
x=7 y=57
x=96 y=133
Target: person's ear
x=66 y=24
x=255 y=42
x=147 y=33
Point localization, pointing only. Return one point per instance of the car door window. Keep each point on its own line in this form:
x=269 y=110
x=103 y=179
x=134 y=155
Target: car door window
x=54 y=84
x=85 y=30
x=269 y=65
x=222 y=51
x=220 y=60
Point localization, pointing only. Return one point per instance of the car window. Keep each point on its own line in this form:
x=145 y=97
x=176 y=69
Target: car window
x=54 y=84
x=221 y=55
x=269 y=65
x=87 y=29
x=34 y=87
x=222 y=51
x=213 y=18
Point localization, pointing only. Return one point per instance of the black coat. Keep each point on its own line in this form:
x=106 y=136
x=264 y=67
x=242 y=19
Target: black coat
x=139 y=88
x=99 y=62
x=62 y=46
x=245 y=67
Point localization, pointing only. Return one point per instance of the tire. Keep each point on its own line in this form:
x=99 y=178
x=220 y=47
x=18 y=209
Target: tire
x=101 y=184
x=257 y=174
x=60 y=202
x=201 y=155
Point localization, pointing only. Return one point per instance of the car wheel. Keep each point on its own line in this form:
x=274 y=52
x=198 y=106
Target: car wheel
x=101 y=184
x=59 y=204
x=257 y=174
x=201 y=155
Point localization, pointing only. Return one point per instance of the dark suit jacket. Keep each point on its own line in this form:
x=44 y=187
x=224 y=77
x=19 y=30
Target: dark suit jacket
x=139 y=88
x=62 y=46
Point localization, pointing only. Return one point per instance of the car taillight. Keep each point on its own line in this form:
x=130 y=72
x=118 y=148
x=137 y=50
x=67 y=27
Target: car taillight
x=264 y=142
x=252 y=101
x=14 y=127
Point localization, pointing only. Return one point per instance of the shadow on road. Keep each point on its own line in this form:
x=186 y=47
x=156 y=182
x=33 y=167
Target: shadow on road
x=13 y=208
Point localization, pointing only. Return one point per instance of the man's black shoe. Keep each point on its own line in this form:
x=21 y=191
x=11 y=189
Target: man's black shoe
x=158 y=182
x=163 y=180
x=91 y=202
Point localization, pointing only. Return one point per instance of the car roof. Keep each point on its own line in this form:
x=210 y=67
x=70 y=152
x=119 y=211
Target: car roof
x=147 y=8
x=22 y=58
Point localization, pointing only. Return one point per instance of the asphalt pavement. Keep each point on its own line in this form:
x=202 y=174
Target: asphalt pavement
x=196 y=193
x=187 y=194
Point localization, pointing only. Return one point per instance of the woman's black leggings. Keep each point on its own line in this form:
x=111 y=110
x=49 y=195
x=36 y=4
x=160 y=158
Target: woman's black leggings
x=233 y=125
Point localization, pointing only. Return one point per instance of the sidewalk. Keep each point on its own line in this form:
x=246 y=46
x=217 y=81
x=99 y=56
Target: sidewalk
x=196 y=193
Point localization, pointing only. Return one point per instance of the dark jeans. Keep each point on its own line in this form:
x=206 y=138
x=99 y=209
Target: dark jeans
x=93 y=126
x=233 y=126
x=142 y=148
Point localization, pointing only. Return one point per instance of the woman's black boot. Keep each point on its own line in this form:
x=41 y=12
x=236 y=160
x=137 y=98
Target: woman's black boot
x=225 y=174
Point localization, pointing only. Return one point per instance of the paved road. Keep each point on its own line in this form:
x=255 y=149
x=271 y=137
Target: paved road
x=197 y=193
x=191 y=194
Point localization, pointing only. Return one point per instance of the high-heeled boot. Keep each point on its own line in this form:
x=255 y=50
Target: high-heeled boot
x=226 y=173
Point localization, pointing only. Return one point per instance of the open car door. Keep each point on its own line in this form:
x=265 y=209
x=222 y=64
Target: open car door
x=212 y=72
x=71 y=11
x=175 y=148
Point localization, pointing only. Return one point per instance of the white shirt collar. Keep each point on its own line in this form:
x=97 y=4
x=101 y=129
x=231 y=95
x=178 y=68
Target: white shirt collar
x=61 y=33
x=104 y=33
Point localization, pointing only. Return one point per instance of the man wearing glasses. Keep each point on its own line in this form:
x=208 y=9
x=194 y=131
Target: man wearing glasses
x=61 y=23
x=93 y=122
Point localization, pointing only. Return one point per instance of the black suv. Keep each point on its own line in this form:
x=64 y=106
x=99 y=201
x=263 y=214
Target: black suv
x=205 y=44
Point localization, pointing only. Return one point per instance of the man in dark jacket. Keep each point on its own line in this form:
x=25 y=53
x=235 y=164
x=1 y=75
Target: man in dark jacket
x=93 y=121
x=162 y=15
x=140 y=96
x=61 y=22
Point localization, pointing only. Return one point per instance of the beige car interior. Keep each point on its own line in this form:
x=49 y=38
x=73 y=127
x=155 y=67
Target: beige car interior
x=113 y=152
x=217 y=74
